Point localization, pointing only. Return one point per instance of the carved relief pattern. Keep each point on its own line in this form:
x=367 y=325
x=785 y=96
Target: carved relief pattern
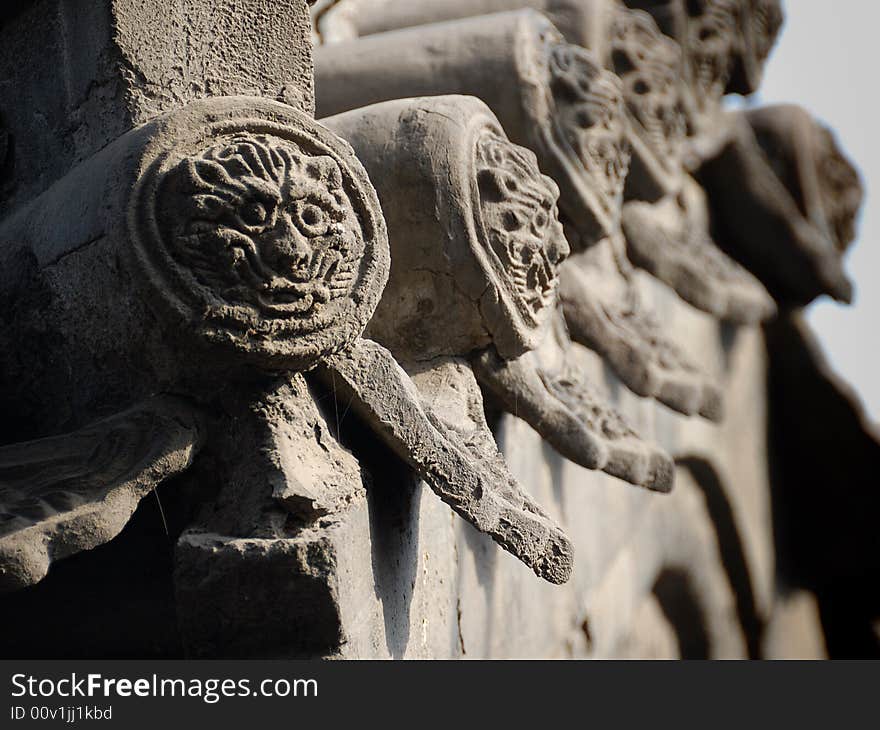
x=549 y=390
x=68 y=493
x=260 y=225
x=519 y=219
x=711 y=40
x=617 y=325
x=590 y=112
x=648 y=65
x=266 y=239
x=585 y=401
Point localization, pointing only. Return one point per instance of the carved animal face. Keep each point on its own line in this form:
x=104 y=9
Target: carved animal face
x=711 y=42
x=590 y=112
x=260 y=224
x=648 y=65
x=520 y=221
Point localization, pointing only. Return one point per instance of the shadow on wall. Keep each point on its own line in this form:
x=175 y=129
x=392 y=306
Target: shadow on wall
x=113 y=602
x=674 y=593
x=394 y=519
x=731 y=547
x=824 y=460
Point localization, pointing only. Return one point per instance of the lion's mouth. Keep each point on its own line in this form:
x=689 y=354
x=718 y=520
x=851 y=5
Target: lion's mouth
x=299 y=289
x=535 y=284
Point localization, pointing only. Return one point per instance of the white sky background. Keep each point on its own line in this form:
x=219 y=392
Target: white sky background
x=827 y=60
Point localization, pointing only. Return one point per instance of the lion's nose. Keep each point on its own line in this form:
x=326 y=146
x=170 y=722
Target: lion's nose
x=557 y=245
x=288 y=248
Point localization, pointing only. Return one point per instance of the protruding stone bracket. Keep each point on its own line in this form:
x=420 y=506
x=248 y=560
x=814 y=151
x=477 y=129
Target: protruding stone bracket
x=671 y=241
x=559 y=101
x=625 y=41
x=65 y=494
x=604 y=312
x=548 y=390
x=473 y=228
x=465 y=205
x=385 y=397
x=793 y=214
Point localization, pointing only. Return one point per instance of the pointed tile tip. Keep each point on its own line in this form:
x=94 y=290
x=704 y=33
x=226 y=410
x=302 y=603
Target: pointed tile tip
x=556 y=564
x=843 y=291
x=662 y=473
x=712 y=405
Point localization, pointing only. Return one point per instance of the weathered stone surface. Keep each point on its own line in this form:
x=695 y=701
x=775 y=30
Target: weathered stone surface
x=626 y=42
x=548 y=390
x=131 y=62
x=604 y=312
x=475 y=242
x=793 y=216
x=233 y=252
x=472 y=224
x=649 y=65
x=184 y=288
x=588 y=111
x=382 y=393
x=487 y=604
x=560 y=103
x=282 y=485
x=343 y=20
x=65 y=494
x=670 y=239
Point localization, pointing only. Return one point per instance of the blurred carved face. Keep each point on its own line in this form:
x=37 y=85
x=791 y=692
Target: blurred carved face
x=648 y=64
x=590 y=111
x=260 y=224
x=712 y=34
x=520 y=221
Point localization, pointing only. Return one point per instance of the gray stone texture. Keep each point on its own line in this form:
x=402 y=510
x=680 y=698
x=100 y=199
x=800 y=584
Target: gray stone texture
x=105 y=67
x=251 y=366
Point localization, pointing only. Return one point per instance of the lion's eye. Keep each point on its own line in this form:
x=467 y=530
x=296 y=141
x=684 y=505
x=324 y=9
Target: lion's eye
x=311 y=219
x=254 y=214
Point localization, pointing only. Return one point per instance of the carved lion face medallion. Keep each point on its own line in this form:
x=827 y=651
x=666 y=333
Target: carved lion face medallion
x=261 y=230
x=648 y=65
x=519 y=221
x=711 y=42
x=260 y=225
x=589 y=112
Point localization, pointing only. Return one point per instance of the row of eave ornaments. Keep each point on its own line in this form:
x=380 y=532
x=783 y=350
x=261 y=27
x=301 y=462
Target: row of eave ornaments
x=525 y=159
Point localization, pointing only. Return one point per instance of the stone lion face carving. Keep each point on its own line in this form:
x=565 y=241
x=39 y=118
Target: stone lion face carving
x=648 y=65
x=711 y=39
x=261 y=225
x=519 y=220
x=258 y=233
x=590 y=111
